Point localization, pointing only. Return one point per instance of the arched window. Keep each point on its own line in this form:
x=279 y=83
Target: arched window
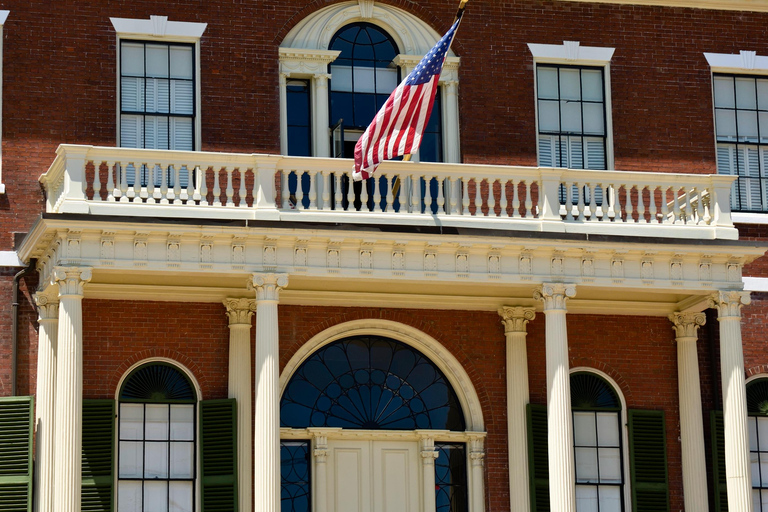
x=597 y=444
x=156 y=440
x=757 y=408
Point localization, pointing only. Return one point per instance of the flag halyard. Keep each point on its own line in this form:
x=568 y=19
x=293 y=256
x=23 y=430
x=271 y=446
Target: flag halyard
x=397 y=128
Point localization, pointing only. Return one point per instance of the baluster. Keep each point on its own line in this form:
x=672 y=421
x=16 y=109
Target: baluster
x=503 y=198
x=699 y=206
x=285 y=190
x=326 y=190
x=427 y=195
x=581 y=204
x=96 y=180
x=351 y=193
x=130 y=193
x=592 y=187
x=376 y=183
x=528 y=193
x=337 y=191
x=312 y=192
x=229 y=190
x=464 y=196
x=640 y=204
x=243 y=192
x=389 y=206
x=216 y=187
x=123 y=187
x=112 y=192
x=202 y=183
x=152 y=195
x=664 y=206
x=653 y=209
x=364 y=196
x=491 y=198
x=139 y=188
x=454 y=188
x=676 y=212
x=568 y=200
x=176 y=183
x=478 y=198
x=688 y=204
x=163 y=183
x=299 y=190
x=440 y=195
x=516 y=198
x=613 y=202
x=415 y=193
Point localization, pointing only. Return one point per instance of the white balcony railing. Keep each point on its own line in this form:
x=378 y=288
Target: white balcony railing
x=176 y=184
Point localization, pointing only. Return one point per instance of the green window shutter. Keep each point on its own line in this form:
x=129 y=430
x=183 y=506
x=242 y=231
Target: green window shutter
x=97 y=493
x=218 y=445
x=648 y=461
x=718 y=460
x=17 y=418
x=538 y=459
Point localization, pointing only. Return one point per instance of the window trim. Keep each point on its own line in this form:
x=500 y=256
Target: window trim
x=627 y=491
x=571 y=53
x=159 y=29
x=3 y=17
x=759 y=376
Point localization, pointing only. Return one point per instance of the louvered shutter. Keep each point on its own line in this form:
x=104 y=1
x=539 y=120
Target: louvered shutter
x=538 y=461
x=726 y=164
x=595 y=153
x=750 y=193
x=98 y=449
x=218 y=445
x=717 y=429
x=16 y=424
x=648 y=461
x=548 y=152
x=575 y=152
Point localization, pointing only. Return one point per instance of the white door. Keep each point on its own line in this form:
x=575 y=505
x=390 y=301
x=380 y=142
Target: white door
x=373 y=476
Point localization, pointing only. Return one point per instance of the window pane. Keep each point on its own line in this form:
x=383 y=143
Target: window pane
x=752 y=427
x=549 y=116
x=182 y=460
x=131 y=458
x=764 y=469
x=593 y=118
x=386 y=80
x=586 y=464
x=181 y=134
x=754 y=464
x=128 y=496
x=724 y=92
x=747 y=125
x=341 y=78
x=763 y=120
x=180 y=497
x=547 y=83
x=610 y=498
x=756 y=499
x=158 y=95
x=131 y=131
x=570 y=88
x=157 y=61
x=570 y=112
x=156 y=460
x=608 y=429
x=745 y=93
x=341 y=107
x=181 y=62
x=132 y=94
x=182 y=97
x=132 y=59
x=592 y=85
x=726 y=123
x=363 y=79
x=586 y=498
x=131 y=421
x=610 y=465
x=762 y=433
x=182 y=422
x=764 y=500
x=157 y=422
x=450 y=478
x=584 y=429
x=294 y=476
x=762 y=94
x=155 y=496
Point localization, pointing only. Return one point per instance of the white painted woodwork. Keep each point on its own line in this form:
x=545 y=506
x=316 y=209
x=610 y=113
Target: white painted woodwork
x=562 y=476
x=374 y=476
x=664 y=204
x=515 y=320
x=737 y=463
x=428 y=457
x=477 y=463
x=68 y=415
x=267 y=395
x=728 y=5
x=695 y=492
x=45 y=398
x=240 y=312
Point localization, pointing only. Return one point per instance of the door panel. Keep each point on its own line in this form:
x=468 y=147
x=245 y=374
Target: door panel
x=396 y=486
x=349 y=484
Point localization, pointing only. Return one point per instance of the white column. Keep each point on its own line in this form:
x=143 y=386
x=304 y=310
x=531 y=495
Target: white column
x=283 y=113
x=450 y=92
x=321 y=117
x=68 y=415
x=45 y=398
x=562 y=474
x=737 y=467
x=320 y=470
x=515 y=320
x=240 y=312
x=428 y=457
x=477 y=462
x=691 y=422
x=267 y=403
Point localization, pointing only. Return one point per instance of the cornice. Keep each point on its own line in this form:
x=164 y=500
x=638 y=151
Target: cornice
x=721 y=5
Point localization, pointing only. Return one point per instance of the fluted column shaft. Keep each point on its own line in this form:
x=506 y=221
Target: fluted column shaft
x=45 y=397
x=562 y=472
x=428 y=457
x=69 y=389
x=477 y=463
x=515 y=320
x=691 y=421
x=267 y=404
x=240 y=312
x=737 y=466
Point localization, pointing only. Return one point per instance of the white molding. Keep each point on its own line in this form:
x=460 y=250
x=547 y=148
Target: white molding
x=724 y=5
x=757 y=376
x=571 y=52
x=159 y=27
x=755 y=284
x=10 y=259
x=743 y=62
x=427 y=345
x=749 y=218
x=624 y=429
x=167 y=360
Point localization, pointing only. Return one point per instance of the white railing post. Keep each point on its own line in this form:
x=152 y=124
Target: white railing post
x=549 y=194
x=74 y=179
x=264 y=169
x=720 y=199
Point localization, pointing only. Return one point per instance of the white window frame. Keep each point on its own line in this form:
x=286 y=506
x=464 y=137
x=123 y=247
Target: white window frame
x=624 y=430
x=3 y=17
x=571 y=53
x=742 y=63
x=304 y=54
x=158 y=28
x=755 y=377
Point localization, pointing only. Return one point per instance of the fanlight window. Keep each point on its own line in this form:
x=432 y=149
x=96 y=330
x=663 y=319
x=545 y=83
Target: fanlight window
x=757 y=407
x=372 y=383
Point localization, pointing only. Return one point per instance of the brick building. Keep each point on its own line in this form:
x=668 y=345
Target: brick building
x=558 y=304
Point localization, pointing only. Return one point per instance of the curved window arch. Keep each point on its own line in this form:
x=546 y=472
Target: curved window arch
x=156 y=439
x=597 y=442
x=372 y=383
x=757 y=409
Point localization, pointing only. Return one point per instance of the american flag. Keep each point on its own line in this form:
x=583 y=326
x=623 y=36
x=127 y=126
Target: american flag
x=397 y=128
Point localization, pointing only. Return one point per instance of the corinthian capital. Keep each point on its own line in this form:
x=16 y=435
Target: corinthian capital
x=554 y=295
x=268 y=286
x=728 y=304
x=240 y=311
x=686 y=324
x=71 y=280
x=515 y=318
x=47 y=306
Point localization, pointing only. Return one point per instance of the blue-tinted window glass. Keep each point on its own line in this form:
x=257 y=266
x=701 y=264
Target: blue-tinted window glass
x=432 y=140
x=451 y=477
x=294 y=476
x=370 y=382
x=299 y=118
